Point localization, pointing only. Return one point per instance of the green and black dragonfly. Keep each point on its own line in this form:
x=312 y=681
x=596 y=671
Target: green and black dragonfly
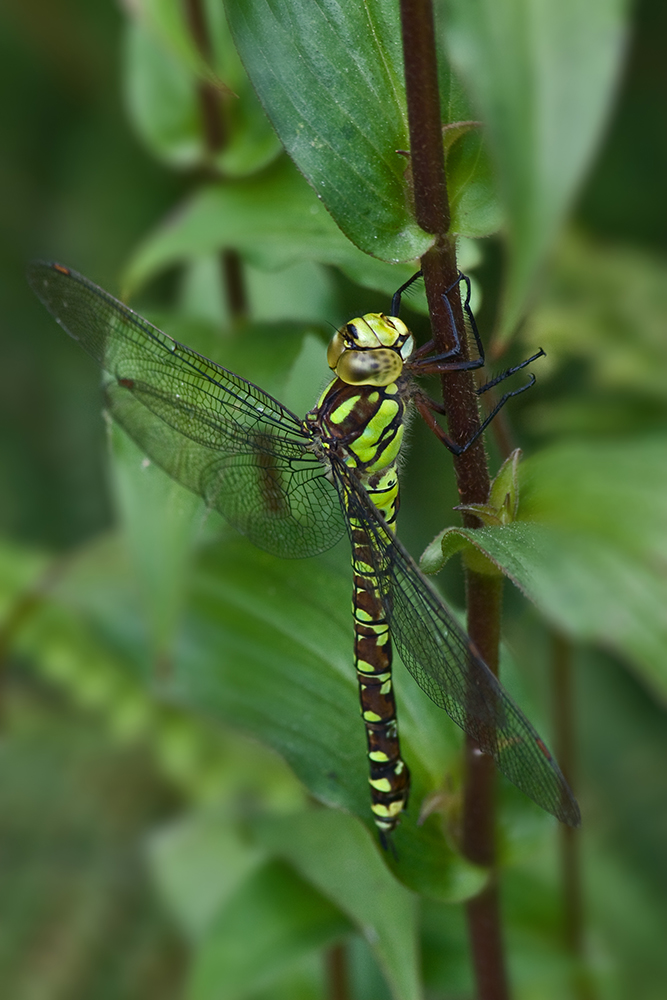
x=294 y=486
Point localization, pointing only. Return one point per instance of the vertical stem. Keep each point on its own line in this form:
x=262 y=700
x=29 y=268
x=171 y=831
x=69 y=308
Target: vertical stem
x=484 y=606
x=471 y=468
x=562 y=685
x=336 y=973
x=216 y=134
x=232 y=274
x=209 y=98
x=570 y=861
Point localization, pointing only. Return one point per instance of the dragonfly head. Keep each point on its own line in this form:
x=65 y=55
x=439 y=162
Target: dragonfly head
x=370 y=350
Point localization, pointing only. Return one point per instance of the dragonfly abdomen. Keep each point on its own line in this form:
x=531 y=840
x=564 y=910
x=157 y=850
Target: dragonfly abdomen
x=389 y=776
x=364 y=424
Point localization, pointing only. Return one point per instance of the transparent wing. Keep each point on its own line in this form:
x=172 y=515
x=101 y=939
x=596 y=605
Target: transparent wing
x=214 y=432
x=442 y=660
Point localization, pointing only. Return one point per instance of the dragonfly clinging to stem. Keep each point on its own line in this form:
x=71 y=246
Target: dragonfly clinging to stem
x=294 y=486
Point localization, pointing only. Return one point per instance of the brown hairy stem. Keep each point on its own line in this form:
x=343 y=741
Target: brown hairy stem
x=472 y=473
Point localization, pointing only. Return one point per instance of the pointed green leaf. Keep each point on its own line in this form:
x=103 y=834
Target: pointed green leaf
x=504 y=493
x=542 y=74
x=273 y=220
x=331 y=81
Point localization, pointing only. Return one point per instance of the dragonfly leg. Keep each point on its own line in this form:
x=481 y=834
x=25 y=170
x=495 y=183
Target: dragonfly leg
x=423 y=363
x=438 y=364
x=511 y=371
x=428 y=407
x=396 y=297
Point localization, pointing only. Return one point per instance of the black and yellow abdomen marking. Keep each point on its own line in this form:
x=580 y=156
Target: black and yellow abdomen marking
x=389 y=776
x=279 y=481
x=367 y=423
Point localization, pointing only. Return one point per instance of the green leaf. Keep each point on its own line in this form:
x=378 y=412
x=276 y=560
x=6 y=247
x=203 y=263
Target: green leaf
x=168 y=21
x=503 y=503
x=199 y=862
x=331 y=81
x=272 y=921
x=471 y=186
x=592 y=558
x=161 y=100
x=274 y=220
x=163 y=95
x=504 y=493
x=267 y=646
x=542 y=74
x=163 y=521
x=264 y=646
x=605 y=305
x=336 y=854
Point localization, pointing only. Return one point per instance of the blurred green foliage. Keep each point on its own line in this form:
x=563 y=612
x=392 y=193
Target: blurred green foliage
x=177 y=704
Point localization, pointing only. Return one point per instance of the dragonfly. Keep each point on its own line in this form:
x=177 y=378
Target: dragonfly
x=294 y=487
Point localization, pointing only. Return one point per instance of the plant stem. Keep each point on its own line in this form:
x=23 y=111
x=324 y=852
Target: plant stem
x=336 y=973
x=216 y=133
x=472 y=472
x=210 y=103
x=570 y=862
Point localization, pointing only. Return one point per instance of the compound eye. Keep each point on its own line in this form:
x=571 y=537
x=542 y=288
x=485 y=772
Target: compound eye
x=335 y=349
x=373 y=367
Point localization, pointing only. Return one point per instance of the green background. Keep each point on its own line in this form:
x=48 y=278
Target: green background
x=146 y=845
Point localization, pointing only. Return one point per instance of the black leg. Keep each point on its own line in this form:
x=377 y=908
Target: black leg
x=396 y=297
x=433 y=365
x=511 y=371
x=469 y=313
x=426 y=406
x=439 y=363
x=446 y=362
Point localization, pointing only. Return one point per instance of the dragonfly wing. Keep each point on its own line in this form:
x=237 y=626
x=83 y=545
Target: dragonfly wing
x=444 y=663
x=220 y=436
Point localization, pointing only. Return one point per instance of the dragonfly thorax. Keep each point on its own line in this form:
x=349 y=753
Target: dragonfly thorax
x=370 y=350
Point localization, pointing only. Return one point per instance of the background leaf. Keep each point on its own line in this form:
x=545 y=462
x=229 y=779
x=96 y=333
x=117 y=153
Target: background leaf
x=589 y=548
x=272 y=920
x=542 y=74
x=163 y=92
x=273 y=221
x=300 y=60
x=335 y=853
